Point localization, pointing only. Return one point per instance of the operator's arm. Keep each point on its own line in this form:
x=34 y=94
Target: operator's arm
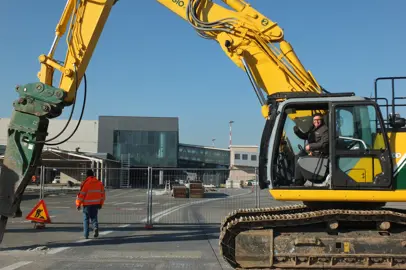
x=249 y=39
x=300 y=134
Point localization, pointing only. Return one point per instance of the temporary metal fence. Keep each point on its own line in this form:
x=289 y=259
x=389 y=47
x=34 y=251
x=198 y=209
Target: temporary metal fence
x=145 y=195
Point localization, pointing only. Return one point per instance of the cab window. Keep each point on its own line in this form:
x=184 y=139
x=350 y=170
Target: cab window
x=357 y=127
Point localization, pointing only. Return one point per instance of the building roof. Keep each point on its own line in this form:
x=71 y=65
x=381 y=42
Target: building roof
x=244 y=146
x=50 y=153
x=78 y=154
x=204 y=147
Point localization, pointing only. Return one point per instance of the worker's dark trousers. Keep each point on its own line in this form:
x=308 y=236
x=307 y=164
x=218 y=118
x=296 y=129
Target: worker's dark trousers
x=90 y=212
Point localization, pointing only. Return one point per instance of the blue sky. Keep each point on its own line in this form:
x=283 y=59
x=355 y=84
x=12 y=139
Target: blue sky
x=149 y=62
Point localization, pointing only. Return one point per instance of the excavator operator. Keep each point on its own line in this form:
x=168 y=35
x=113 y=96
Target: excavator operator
x=317 y=147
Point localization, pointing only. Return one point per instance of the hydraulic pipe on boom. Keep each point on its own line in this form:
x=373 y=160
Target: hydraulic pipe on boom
x=250 y=40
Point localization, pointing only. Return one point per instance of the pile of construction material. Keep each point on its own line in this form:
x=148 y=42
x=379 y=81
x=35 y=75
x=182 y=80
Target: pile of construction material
x=192 y=189
x=196 y=190
x=179 y=191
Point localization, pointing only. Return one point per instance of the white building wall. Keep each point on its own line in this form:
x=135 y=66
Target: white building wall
x=242 y=170
x=250 y=152
x=85 y=137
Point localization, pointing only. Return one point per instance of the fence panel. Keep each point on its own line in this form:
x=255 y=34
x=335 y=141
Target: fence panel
x=176 y=198
x=129 y=198
x=126 y=191
x=150 y=195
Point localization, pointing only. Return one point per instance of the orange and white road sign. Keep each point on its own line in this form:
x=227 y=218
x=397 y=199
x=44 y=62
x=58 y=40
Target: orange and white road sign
x=39 y=213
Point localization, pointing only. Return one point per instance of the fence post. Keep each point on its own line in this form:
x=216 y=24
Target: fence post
x=148 y=225
x=257 y=194
x=41 y=183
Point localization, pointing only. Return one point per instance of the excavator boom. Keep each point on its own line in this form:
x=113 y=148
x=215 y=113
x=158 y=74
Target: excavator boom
x=252 y=41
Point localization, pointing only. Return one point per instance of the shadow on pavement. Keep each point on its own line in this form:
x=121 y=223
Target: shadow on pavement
x=30 y=196
x=77 y=227
x=191 y=233
x=34 y=195
x=212 y=195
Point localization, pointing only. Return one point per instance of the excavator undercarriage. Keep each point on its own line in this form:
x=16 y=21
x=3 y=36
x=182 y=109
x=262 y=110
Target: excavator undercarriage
x=298 y=237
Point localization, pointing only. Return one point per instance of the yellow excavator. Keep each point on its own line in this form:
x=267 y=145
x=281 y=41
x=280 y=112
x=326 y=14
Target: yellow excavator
x=343 y=221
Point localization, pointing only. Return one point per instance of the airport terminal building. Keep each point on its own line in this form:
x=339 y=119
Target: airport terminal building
x=119 y=146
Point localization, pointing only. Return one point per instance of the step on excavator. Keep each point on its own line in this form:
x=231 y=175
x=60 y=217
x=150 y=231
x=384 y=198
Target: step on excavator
x=342 y=221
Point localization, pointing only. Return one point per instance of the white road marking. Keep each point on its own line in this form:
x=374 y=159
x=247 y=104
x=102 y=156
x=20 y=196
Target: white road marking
x=167 y=204
x=57 y=250
x=83 y=240
x=166 y=212
x=121 y=194
x=134 y=195
x=124 y=226
x=16 y=265
x=90 y=239
x=155 y=254
x=129 y=203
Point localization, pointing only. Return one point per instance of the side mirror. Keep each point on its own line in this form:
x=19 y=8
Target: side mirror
x=396 y=121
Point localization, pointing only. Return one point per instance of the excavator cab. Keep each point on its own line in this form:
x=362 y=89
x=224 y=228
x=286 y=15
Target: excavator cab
x=358 y=156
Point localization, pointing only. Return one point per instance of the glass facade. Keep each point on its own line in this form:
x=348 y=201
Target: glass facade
x=147 y=148
x=196 y=154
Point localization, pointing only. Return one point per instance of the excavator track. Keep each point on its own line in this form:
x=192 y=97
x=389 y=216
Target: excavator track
x=236 y=214
x=297 y=237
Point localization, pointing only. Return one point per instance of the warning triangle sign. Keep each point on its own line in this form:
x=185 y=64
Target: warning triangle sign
x=39 y=213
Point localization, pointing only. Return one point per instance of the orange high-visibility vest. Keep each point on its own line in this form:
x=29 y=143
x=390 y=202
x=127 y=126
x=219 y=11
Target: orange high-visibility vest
x=91 y=192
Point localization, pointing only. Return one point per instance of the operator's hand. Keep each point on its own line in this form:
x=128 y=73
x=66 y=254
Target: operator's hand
x=307 y=148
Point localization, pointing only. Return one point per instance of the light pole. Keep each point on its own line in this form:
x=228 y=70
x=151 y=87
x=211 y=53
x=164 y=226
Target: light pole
x=230 y=123
x=213 y=142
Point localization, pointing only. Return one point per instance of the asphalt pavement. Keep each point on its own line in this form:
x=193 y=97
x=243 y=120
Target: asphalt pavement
x=184 y=235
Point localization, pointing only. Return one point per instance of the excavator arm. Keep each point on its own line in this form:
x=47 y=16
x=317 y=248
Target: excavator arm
x=83 y=21
x=86 y=20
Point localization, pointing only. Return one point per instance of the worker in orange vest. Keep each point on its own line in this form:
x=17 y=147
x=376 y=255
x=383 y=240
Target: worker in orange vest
x=34 y=180
x=91 y=196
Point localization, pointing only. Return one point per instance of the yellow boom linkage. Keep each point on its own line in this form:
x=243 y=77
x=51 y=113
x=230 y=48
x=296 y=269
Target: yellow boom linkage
x=87 y=20
x=250 y=40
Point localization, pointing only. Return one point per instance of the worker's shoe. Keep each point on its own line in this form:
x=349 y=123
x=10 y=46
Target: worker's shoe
x=18 y=213
x=96 y=232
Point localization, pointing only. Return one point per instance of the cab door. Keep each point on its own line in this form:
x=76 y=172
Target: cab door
x=360 y=151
